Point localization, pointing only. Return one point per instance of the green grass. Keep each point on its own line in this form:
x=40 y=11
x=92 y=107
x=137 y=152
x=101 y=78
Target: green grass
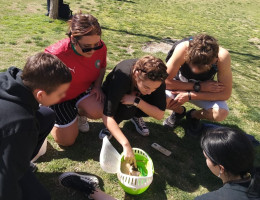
x=129 y=24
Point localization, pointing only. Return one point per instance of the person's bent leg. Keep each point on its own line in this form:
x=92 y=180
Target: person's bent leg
x=65 y=130
x=177 y=114
x=90 y=107
x=100 y=195
x=32 y=189
x=66 y=136
x=213 y=114
x=212 y=111
x=46 y=119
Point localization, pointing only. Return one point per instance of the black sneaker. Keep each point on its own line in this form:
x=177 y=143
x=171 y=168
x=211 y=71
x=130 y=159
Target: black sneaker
x=174 y=119
x=83 y=183
x=194 y=127
x=103 y=133
x=33 y=167
x=140 y=126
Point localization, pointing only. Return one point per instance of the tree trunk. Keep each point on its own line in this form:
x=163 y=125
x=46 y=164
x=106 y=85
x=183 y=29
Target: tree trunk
x=54 y=6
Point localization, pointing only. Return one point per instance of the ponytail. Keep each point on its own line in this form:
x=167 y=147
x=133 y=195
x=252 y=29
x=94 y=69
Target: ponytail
x=254 y=187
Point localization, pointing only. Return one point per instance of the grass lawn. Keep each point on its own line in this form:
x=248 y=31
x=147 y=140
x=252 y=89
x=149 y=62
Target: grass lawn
x=127 y=26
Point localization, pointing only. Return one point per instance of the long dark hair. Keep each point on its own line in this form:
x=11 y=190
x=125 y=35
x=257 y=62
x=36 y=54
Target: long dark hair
x=233 y=150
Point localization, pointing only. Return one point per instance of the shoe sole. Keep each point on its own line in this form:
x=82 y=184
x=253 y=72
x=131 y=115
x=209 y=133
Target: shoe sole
x=108 y=137
x=167 y=125
x=138 y=130
x=83 y=131
x=66 y=174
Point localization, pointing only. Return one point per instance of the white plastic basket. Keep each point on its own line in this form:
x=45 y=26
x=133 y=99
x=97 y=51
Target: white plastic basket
x=137 y=182
x=110 y=162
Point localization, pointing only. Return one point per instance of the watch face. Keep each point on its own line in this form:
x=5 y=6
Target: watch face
x=197 y=87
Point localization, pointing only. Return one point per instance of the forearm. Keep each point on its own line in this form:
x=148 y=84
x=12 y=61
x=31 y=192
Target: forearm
x=99 y=81
x=179 y=85
x=114 y=129
x=150 y=110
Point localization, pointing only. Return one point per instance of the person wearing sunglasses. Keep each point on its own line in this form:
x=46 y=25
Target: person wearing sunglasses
x=134 y=88
x=84 y=53
x=192 y=65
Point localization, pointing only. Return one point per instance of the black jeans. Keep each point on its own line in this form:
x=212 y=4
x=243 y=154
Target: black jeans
x=29 y=187
x=127 y=112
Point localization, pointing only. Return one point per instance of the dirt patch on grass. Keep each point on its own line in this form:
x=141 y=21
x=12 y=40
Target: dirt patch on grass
x=129 y=49
x=163 y=46
x=255 y=41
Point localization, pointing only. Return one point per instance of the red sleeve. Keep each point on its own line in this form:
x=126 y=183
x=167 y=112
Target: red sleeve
x=59 y=47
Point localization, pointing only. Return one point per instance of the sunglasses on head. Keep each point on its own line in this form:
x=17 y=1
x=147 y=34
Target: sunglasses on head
x=155 y=76
x=85 y=50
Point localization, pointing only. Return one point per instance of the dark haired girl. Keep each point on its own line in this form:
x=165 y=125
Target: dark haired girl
x=230 y=156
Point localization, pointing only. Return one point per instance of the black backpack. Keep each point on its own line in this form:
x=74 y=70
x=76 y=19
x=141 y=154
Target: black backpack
x=64 y=10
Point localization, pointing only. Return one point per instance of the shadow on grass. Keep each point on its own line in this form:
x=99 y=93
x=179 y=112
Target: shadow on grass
x=249 y=57
x=131 y=33
x=51 y=179
x=185 y=169
x=127 y=1
x=87 y=146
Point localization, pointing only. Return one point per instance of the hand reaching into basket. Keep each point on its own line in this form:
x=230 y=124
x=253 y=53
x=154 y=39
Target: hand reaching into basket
x=129 y=155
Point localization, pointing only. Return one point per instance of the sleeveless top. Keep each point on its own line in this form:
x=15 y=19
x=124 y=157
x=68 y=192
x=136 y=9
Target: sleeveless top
x=185 y=73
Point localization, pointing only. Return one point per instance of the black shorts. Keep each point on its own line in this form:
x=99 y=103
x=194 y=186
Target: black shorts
x=67 y=111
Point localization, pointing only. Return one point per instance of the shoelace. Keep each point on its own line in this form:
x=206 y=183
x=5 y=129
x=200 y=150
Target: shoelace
x=173 y=116
x=142 y=123
x=83 y=119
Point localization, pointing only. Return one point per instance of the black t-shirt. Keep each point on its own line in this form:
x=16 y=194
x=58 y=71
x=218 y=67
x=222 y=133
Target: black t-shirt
x=230 y=191
x=119 y=82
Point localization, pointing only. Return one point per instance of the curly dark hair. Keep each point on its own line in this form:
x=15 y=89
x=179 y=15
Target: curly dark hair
x=153 y=68
x=202 y=50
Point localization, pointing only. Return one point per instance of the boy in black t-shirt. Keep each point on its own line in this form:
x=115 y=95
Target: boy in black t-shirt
x=135 y=88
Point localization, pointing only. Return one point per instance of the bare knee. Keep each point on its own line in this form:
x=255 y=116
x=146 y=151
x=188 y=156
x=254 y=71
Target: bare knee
x=64 y=137
x=91 y=108
x=219 y=114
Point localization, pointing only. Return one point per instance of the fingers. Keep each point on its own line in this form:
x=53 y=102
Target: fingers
x=135 y=165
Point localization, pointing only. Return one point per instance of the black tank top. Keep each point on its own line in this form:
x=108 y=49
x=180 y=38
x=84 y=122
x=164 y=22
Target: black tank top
x=185 y=73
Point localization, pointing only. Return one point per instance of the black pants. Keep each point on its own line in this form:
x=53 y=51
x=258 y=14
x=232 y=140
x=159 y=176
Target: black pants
x=31 y=188
x=127 y=112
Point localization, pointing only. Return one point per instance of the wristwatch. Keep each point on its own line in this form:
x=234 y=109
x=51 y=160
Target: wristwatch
x=196 y=86
x=136 y=101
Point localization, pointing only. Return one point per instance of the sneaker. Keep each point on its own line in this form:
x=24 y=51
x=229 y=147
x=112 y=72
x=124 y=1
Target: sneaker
x=83 y=124
x=84 y=183
x=194 y=127
x=33 y=167
x=174 y=119
x=140 y=126
x=105 y=132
